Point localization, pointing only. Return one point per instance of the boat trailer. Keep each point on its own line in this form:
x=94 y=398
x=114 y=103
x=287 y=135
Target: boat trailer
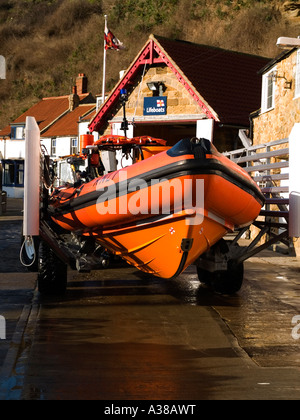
x=49 y=250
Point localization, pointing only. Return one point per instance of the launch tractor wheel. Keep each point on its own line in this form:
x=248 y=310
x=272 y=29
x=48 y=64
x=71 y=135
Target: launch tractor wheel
x=52 y=272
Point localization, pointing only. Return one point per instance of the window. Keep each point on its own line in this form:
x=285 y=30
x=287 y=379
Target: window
x=13 y=132
x=9 y=173
x=74 y=146
x=297 y=76
x=268 y=92
x=17 y=132
x=53 y=147
x=13 y=173
x=20 y=133
x=19 y=174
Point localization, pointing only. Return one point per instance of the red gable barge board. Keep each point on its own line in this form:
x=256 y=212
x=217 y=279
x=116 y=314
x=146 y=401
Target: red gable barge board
x=225 y=84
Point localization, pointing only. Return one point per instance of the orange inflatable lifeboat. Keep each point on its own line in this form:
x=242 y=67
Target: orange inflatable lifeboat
x=160 y=214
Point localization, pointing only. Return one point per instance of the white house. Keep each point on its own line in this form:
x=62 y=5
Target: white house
x=59 y=122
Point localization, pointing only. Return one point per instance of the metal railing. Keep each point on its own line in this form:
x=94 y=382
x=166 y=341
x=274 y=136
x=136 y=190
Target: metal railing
x=268 y=165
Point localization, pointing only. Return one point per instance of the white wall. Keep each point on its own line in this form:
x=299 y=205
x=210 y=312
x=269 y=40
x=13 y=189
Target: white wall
x=121 y=159
x=14 y=192
x=63 y=146
x=2 y=148
x=116 y=130
x=294 y=184
x=205 y=129
x=12 y=149
x=47 y=143
x=83 y=128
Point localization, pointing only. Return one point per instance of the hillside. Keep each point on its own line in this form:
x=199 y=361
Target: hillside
x=48 y=42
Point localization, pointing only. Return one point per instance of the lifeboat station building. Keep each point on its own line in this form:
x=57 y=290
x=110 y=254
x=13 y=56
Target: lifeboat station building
x=178 y=89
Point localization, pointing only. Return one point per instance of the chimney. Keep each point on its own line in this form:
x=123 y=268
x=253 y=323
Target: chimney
x=73 y=99
x=81 y=84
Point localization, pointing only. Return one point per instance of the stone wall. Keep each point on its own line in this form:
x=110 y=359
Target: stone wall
x=179 y=101
x=278 y=123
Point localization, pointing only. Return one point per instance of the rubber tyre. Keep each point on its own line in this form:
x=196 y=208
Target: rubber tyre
x=228 y=282
x=204 y=276
x=52 y=272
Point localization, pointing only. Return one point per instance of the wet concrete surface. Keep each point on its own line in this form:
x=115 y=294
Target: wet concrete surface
x=118 y=334
x=16 y=294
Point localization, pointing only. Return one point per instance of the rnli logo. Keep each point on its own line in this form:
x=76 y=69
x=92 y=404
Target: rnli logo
x=156 y=105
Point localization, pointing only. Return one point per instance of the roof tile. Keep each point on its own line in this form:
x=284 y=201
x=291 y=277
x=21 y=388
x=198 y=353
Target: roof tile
x=68 y=124
x=227 y=80
x=46 y=112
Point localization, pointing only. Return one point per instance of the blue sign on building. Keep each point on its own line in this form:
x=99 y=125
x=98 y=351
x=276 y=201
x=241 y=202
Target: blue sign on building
x=156 y=105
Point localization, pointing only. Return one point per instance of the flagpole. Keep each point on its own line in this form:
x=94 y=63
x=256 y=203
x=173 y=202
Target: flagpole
x=104 y=64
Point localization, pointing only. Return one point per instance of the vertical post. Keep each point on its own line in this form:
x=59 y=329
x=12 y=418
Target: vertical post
x=124 y=124
x=294 y=189
x=205 y=129
x=269 y=184
x=124 y=99
x=31 y=222
x=2 y=328
x=104 y=62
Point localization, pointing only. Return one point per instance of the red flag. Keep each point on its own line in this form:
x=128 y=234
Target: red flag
x=111 y=42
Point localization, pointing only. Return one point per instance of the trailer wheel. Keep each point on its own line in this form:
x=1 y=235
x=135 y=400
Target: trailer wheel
x=204 y=276
x=52 y=272
x=230 y=281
